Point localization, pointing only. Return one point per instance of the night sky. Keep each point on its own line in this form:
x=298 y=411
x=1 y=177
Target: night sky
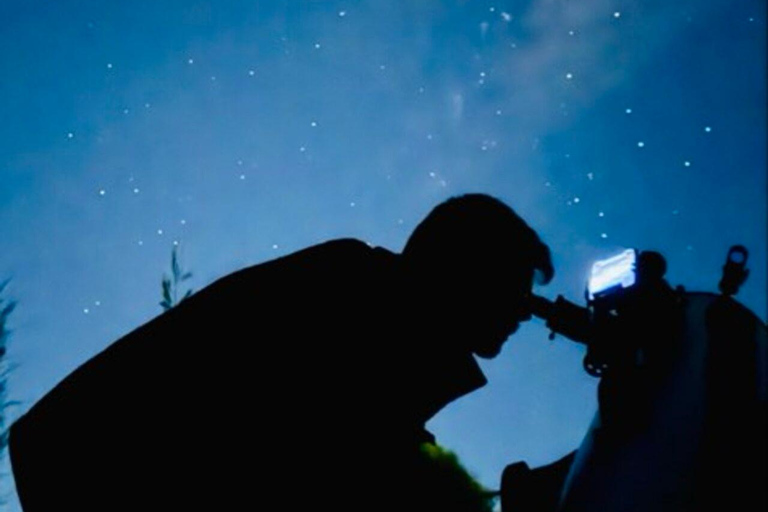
x=243 y=131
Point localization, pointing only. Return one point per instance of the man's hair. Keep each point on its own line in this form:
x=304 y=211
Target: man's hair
x=478 y=230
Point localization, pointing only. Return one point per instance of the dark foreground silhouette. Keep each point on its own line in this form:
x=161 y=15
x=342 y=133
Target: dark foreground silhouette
x=299 y=383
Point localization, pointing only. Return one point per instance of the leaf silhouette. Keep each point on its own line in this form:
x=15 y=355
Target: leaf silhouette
x=170 y=285
x=167 y=289
x=175 y=265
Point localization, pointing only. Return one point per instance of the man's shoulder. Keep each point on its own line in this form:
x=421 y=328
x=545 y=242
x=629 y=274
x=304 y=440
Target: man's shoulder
x=348 y=248
x=340 y=244
x=344 y=247
x=342 y=262
x=342 y=254
x=350 y=251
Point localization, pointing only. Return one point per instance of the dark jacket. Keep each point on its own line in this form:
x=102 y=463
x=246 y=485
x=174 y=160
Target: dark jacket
x=288 y=368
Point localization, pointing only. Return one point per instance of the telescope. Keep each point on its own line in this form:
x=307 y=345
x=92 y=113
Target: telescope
x=681 y=413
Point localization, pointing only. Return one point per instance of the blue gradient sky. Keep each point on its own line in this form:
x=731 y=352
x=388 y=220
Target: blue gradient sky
x=247 y=130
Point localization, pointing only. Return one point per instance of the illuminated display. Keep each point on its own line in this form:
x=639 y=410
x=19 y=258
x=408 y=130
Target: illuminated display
x=615 y=271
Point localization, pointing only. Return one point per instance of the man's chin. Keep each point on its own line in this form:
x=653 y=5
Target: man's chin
x=493 y=349
x=488 y=352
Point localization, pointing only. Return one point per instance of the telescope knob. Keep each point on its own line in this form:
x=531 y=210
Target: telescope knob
x=735 y=270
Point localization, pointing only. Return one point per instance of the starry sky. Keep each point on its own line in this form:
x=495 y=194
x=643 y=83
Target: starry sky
x=242 y=131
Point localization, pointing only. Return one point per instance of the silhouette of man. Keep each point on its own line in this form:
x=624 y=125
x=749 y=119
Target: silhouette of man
x=302 y=381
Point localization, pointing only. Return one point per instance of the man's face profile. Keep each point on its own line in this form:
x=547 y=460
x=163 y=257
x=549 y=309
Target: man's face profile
x=489 y=338
x=487 y=309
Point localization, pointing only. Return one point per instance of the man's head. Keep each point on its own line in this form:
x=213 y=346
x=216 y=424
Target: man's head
x=474 y=261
